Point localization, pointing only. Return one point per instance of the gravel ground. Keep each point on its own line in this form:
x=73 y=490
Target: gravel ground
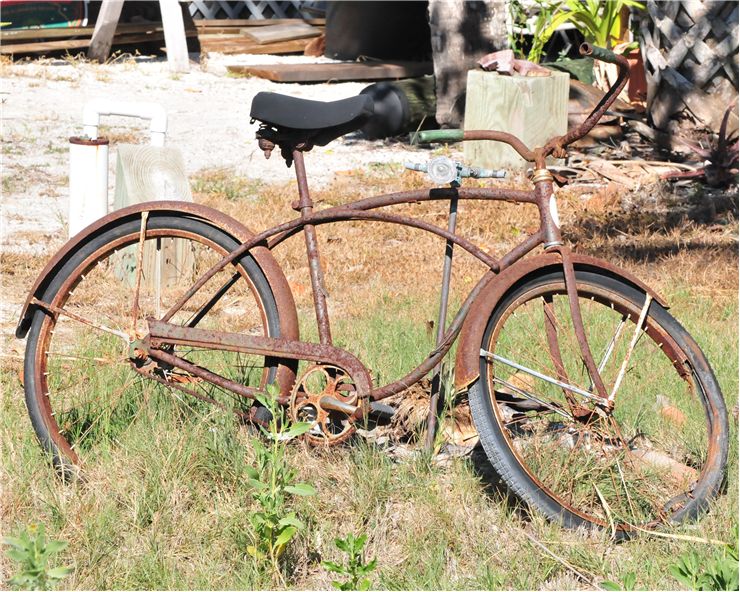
x=208 y=121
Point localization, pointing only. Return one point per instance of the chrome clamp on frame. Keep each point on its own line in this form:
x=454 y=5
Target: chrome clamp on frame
x=443 y=170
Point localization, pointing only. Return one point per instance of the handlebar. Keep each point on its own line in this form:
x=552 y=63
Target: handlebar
x=556 y=145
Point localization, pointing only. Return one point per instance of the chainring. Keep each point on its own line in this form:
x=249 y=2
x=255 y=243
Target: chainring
x=311 y=397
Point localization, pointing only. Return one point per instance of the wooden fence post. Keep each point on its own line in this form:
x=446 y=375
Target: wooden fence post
x=105 y=29
x=174 y=35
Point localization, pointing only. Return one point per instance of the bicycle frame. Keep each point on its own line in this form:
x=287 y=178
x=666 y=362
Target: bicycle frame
x=548 y=235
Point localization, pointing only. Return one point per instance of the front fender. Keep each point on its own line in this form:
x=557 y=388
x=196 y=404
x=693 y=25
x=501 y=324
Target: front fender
x=467 y=362
x=263 y=257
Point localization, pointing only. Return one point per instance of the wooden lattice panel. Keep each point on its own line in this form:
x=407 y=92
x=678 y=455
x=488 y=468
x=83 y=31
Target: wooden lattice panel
x=690 y=49
x=246 y=9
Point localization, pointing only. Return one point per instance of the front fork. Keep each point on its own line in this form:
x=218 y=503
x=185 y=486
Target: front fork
x=550 y=229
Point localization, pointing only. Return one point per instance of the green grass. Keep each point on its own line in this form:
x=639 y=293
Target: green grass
x=165 y=505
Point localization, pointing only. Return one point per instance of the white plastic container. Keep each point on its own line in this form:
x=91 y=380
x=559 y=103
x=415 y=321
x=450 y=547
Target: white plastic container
x=88 y=182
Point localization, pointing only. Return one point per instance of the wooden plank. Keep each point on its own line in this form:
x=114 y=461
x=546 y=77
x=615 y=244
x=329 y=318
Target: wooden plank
x=533 y=108
x=207 y=23
x=59 y=33
x=144 y=173
x=276 y=33
x=65 y=44
x=339 y=71
x=174 y=36
x=18 y=48
x=234 y=30
x=229 y=46
x=105 y=29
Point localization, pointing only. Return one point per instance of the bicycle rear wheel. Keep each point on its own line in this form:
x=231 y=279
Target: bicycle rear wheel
x=85 y=386
x=657 y=457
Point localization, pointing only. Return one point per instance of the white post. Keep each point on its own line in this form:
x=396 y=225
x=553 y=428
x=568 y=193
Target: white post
x=88 y=182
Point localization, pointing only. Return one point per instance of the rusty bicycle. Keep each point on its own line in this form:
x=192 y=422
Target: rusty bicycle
x=592 y=403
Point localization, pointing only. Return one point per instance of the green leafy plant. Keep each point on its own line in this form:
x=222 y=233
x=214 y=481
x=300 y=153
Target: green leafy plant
x=538 y=25
x=628 y=582
x=273 y=484
x=354 y=569
x=599 y=22
x=720 y=573
x=32 y=551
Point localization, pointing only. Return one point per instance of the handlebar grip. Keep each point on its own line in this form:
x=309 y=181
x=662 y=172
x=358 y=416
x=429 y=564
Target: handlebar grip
x=447 y=135
x=599 y=53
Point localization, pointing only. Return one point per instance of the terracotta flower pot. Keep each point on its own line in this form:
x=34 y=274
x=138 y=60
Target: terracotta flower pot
x=637 y=85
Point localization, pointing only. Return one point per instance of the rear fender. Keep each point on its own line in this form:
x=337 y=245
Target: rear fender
x=263 y=257
x=467 y=363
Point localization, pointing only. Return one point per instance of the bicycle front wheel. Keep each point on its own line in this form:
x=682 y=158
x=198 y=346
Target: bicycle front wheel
x=657 y=456
x=85 y=386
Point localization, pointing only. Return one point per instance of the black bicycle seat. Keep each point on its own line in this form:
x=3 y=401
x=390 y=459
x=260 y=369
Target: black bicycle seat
x=320 y=122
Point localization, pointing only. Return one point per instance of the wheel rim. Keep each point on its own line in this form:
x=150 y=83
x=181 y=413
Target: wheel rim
x=88 y=389
x=635 y=465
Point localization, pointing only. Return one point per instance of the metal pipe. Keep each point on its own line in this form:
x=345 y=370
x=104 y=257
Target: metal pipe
x=441 y=324
x=562 y=385
x=312 y=251
x=143 y=110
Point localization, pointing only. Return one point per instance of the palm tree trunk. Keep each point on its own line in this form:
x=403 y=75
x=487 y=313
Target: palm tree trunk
x=462 y=33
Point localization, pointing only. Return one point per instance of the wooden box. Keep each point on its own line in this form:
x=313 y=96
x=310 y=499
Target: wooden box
x=533 y=108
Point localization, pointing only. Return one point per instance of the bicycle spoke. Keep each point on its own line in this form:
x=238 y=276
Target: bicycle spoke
x=541 y=376
x=79 y=319
x=633 y=343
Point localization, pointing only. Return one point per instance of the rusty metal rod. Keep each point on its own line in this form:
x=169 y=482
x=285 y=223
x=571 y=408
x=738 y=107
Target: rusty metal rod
x=558 y=143
x=312 y=251
x=441 y=324
x=166 y=333
x=575 y=313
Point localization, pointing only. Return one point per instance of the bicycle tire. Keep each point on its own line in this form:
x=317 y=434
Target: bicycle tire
x=569 y=469
x=67 y=360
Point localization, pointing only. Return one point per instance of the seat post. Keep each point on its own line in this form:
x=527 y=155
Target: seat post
x=305 y=206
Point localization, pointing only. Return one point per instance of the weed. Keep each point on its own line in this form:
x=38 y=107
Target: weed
x=224 y=184
x=32 y=551
x=354 y=569
x=721 y=573
x=273 y=481
x=628 y=582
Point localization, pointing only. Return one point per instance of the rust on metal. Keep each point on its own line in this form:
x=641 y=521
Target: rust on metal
x=267 y=263
x=505 y=137
x=316 y=274
x=79 y=141
x=556 y=146
x=577 y=321
x=161 y=333
x=553 y=345
x=467 y=363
